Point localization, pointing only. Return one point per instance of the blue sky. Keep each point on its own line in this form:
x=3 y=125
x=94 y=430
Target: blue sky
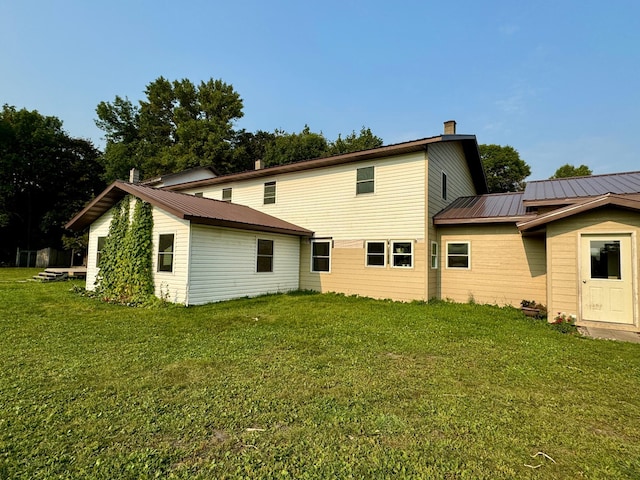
x=557 y=80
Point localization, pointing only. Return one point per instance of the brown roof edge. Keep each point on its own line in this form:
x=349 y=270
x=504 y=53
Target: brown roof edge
x=472 y=221
x=469 y=143
x=623 y=201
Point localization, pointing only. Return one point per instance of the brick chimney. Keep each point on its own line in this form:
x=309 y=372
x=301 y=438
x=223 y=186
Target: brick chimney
x=450 y=127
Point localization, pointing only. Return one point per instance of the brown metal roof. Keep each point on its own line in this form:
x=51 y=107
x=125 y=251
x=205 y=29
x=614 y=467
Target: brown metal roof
x=497 y=207
x=570 y=190
x=630 y=202
x=198 y=210
x=468 y=142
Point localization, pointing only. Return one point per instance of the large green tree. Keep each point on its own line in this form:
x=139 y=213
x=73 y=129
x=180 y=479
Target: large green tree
x=504 y=169
x=294 y=147
x=178 y=125
x=46 y=176
x=568 y=170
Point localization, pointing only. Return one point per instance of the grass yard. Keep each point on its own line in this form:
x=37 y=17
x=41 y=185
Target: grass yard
x=305 y=386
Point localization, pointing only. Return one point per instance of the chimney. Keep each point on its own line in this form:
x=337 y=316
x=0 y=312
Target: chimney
x=259 y=164
x=450 y=127
x=134 y=175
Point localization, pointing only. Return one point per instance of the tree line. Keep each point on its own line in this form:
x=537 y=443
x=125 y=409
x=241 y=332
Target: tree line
x=46 y=175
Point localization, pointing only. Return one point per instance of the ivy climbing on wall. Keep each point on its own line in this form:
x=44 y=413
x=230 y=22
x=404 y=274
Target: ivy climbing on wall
x=125 y=274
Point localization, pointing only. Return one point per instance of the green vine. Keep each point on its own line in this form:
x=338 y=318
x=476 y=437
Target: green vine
x=125 y=273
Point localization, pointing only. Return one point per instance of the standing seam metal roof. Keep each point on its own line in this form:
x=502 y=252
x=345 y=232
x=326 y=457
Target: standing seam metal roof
x=580 y=187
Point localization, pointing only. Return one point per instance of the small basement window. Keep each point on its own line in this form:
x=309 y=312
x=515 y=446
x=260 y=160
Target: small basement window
x=376 y=254
x=269 y=192
x=264 y=260
x=402 y=254
x=365 y=180
x=321 y=256
x=458 y=255
x=165 y=252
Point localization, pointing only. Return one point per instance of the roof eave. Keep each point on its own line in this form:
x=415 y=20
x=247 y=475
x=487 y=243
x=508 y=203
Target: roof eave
x=476 y=220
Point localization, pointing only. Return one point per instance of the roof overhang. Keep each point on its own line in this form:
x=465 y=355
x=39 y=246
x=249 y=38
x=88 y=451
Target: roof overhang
x=479 y=220
x=621 y=201
x=468 y=142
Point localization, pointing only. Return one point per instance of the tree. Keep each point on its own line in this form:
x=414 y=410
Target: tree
x=354 y=143
x=294 y=147
x=568 y=170
x=248 y=147
x=46 y=176
x=178 y=126
x=504 y=169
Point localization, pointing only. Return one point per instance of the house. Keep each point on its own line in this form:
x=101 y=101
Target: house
x=409 y=221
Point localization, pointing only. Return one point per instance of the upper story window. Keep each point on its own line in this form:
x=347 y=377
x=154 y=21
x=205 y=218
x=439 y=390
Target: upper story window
x=226 y=194
x=444 y=186
x=264 y=260
x=269 y=192
x=376 y=254
x=198 y=194
x=165 y=252
x=365 y=180
x=458 y=255
x=402 y=254
x=321 y=256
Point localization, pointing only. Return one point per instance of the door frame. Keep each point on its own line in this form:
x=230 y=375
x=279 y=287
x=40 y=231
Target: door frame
x=634 y=275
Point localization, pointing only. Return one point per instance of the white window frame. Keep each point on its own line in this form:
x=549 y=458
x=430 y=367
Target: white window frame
x=371 y=180
x=393 y=254
x=162 y=254
x=269 y=199
x=228 y=190
x=468 y=255
x=321 y=240
x=259 y=255
x=434 y=256
x=384 y=253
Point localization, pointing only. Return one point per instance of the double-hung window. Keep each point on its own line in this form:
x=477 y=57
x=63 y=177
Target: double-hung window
x=365 y=180
x=376 y=254
x=269 y=192
x=458 y=255
x=434 y=254
x=101 y=241
x=264 y=260
x=165 y=252
x=321 y=255
x=402 y=253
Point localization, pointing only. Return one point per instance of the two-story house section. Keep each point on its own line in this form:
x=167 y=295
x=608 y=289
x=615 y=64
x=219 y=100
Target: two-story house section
x=371 y=211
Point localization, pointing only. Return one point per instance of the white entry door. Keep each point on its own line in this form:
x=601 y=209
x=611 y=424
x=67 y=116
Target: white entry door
x=607 y=278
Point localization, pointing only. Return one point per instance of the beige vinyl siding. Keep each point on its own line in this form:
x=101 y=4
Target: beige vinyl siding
x=224 y=264
x=99 y=228
x=350 y=276
x=505 y=266
x=325 y=201
x=171 y=285
x=449 y=158
x=563 y=238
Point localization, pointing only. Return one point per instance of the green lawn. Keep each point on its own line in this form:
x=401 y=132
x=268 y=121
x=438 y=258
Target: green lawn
x=305 y=386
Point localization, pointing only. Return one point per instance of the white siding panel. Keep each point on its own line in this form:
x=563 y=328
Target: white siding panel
x=171 y=285
x=325 y=201
x=99 y=228
x=224 y=265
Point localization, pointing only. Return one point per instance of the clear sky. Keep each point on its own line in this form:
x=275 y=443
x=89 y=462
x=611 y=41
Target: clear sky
x=557 y=80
